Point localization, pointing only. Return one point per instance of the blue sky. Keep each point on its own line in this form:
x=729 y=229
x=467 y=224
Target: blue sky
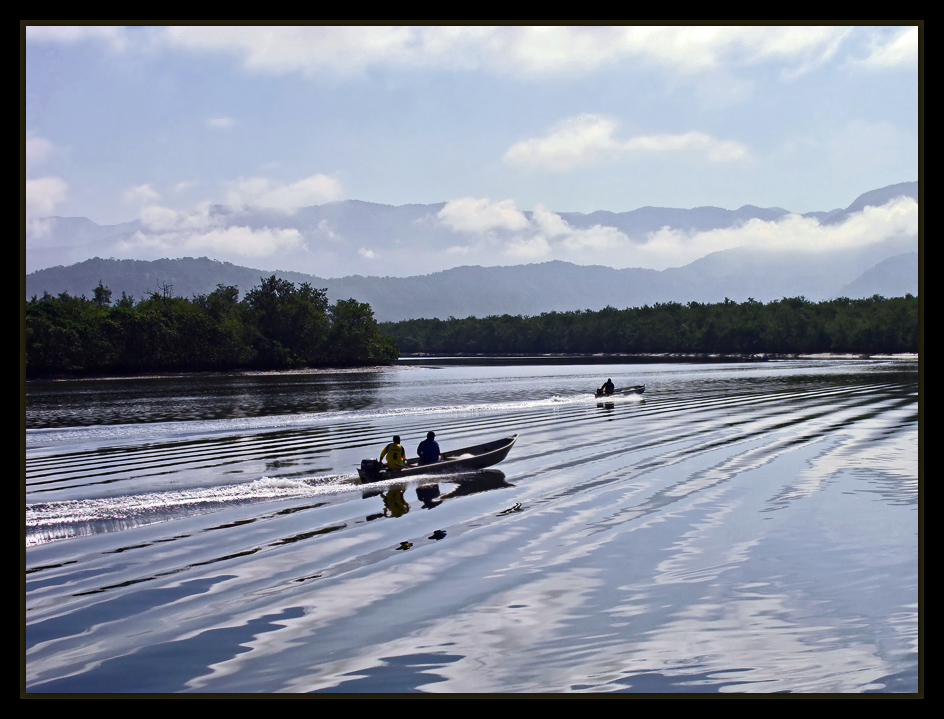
x=158 y=122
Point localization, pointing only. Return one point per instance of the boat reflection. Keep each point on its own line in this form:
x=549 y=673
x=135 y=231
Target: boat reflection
x=430 y=495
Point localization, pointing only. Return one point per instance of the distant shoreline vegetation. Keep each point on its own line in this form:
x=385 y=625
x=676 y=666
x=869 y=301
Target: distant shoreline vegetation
x=279 y=326
x=276 y=326
x=790 y=326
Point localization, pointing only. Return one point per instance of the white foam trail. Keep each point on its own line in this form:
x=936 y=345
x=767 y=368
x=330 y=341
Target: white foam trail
x=118 y=434
x=172 y=503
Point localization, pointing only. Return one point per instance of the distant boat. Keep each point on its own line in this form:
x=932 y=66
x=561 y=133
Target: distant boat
x=478 y=456
x=635 y=389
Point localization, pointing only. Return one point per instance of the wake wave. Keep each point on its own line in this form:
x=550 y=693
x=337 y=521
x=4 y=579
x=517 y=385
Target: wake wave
x=116 y=434
x=46 y=521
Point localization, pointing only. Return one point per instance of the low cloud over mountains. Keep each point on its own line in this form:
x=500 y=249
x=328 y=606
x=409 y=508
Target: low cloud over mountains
x=476 y=256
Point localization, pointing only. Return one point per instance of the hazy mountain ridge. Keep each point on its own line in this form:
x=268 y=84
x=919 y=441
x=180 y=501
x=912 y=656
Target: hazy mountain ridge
x=522 y=289
x=889 y=268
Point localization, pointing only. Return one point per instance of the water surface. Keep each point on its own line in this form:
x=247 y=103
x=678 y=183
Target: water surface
x=738 y=528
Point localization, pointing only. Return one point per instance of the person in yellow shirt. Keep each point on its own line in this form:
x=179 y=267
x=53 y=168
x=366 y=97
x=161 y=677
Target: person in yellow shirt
x=396 y=456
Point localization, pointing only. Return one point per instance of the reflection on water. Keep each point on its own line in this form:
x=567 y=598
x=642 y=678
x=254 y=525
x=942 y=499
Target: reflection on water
x=746 y=527
x=199 y=397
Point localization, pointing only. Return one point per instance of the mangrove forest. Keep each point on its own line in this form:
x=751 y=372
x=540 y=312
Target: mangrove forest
x=789 y=326
x=280 y=326
x=275 y=326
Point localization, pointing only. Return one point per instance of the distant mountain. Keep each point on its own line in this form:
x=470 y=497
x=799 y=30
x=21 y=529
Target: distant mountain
x=518 y=290
x=875 y=198
x=893 y=277
x=888 y=268
x=338 y=239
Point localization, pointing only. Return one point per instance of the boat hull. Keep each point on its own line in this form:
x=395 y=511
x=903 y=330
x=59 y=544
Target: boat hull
x=478 y=456
x=637 y=389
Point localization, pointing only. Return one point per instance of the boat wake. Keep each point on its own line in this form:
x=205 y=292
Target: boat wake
x=48 y=521
x=115 y=435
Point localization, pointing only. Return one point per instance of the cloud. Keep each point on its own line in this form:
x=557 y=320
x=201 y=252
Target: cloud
x=673 y=248
x=155 y=218
x=38 y=151
x=263 y=192
x=471 y=214
x=114 y=37
x=220 y=123
x=897 y=50
x=583 y=139
x=141 y=193
x=37 y=227
x=547 y=236
x=233 y=241
x=369 y=254
x=522 y=51
x=500 y=230
x=43 y=194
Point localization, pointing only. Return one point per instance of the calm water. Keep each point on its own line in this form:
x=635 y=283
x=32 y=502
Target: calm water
x=737 y=528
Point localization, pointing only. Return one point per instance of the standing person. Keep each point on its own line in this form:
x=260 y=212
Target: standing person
x=396 y=456
x=428 y=449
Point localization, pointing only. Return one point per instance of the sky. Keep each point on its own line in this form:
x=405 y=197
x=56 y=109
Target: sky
x=160 y=123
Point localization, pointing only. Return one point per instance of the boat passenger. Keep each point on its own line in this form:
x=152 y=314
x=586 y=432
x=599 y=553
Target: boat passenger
x=396 y=456
x=607 y=387
x=428 y=449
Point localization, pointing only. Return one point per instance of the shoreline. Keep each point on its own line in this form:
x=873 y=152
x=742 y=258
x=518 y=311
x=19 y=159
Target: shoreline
x=680 y=356
x=641 y=358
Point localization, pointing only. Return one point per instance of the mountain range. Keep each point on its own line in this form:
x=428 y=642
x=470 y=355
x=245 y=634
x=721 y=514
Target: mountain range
x=889 y=268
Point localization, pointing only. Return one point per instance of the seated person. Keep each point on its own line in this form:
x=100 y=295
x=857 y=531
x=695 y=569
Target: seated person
x=607 y=387
x=428 y=449
x=396 y=456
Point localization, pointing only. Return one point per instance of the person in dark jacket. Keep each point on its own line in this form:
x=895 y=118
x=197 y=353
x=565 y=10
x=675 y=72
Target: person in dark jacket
x=428 y=449
x=607 y=387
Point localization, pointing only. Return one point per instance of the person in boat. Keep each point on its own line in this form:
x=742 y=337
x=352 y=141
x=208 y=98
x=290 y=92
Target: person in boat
x=428 y=449
x=396 y=456
x=607 y=387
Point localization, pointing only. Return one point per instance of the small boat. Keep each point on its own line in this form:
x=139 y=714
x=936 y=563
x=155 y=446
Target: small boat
x=478 y=456
x=635 y=389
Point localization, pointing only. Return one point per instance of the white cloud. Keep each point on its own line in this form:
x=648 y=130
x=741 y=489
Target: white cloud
x=547 y=236
x=43 y=194
x=369 y=254
x=263 y=192
x=471 y=214
x=898 y=50
x=141 y=193
x=220 y=123
x=112 y=36
x=232 y=241
x=500 y=229
x=598 y=238
x=159 y=219
x=528 y=248
x=37 y=227
x=583 y=139
x=247 y=242
x=527 y=51
x=163 y=219
x=38 y=150
x=674 y=248
x=549 y=223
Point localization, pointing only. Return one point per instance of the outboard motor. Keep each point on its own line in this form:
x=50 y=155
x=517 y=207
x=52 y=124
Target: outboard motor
x=370 y=469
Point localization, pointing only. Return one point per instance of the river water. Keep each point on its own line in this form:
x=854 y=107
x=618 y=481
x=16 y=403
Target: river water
x=739 y=528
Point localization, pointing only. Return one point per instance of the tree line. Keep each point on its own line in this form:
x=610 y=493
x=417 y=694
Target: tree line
x=788 y=326
x=275 y=326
